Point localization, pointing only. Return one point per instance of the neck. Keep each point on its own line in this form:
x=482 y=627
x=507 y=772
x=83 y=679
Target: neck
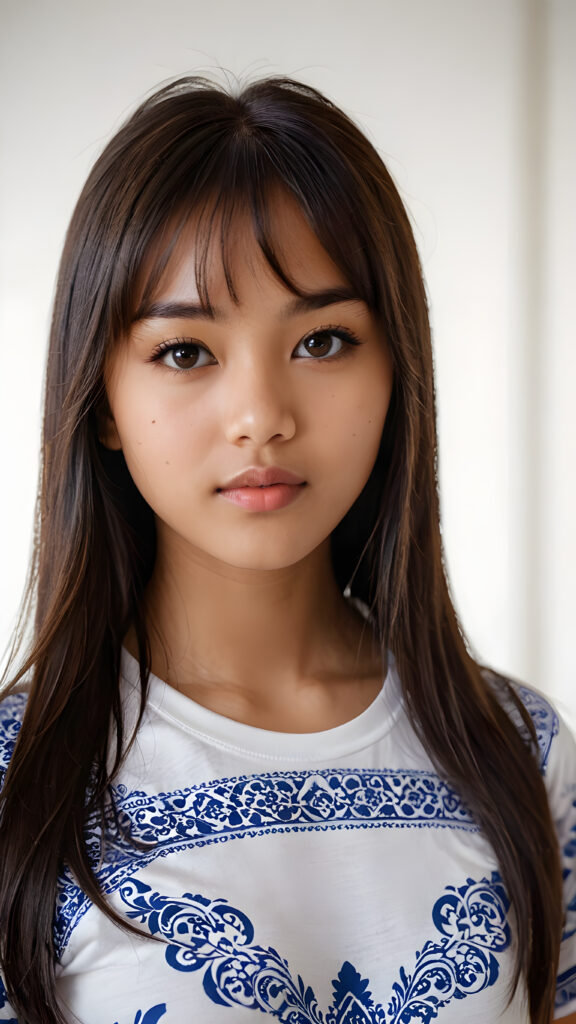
x=260 y=645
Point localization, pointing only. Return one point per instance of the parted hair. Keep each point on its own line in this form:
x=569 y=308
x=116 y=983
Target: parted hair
x=195 y=148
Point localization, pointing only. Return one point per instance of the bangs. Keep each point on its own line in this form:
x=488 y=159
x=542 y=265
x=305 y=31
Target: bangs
x=240 y=179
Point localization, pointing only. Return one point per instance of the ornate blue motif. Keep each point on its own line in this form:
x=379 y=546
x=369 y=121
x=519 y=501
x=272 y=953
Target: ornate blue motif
x=246 y=804
x=151 y=1016
x=260 y=804
x=565 y=988
x=144 y=827
x=214 y=938
x=473 y=920
x=11 y=712
x=5 y=1006
x=568 y=855
x=545 y=720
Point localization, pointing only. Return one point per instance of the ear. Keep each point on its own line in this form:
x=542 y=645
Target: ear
x=107 y=431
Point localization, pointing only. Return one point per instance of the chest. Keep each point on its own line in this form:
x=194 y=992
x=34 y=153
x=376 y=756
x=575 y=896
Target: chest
x=300 y=902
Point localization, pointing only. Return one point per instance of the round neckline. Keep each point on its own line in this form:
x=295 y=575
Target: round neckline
x=248 y=740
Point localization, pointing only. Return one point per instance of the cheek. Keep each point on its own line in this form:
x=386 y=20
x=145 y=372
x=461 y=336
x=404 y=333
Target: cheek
x=154 y=430
x=355 y=423
x=360 y=445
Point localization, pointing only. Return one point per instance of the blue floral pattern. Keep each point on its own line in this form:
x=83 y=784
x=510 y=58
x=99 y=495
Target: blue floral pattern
x=568 y=855
x=217 y=940
x=4 y=1005
x=12 y=710
x=566 y=987
x=144 y=827
x=545 y=721
x=151 y=1016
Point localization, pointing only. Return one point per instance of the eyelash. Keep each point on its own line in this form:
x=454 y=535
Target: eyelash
x=344 y=334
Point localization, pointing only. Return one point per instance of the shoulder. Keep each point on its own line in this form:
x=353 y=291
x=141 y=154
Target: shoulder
x=557 y=757
x=547 y=722
x=553 y=735
x=557 y=754
x=556 y=749
x=11 y=715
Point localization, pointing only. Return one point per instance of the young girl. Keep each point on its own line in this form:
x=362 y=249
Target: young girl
x=249 y=762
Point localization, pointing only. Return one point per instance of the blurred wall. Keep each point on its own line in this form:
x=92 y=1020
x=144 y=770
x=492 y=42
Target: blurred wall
x=472 y=104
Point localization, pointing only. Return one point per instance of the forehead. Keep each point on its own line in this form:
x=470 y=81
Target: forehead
x=214 y=260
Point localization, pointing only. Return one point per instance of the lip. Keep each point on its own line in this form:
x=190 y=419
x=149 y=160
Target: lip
x=258 y=476
x=263 y=490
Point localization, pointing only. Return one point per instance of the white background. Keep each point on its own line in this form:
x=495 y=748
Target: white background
x=472 y=104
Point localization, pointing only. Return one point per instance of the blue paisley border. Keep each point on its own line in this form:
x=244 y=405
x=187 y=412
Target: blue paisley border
x=546 y=721
x=217 y=940
x=143 y=827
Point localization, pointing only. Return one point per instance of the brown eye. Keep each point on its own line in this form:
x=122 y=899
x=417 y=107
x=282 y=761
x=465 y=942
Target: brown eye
x=324 y=344
x=320 y=344
x=185 y=355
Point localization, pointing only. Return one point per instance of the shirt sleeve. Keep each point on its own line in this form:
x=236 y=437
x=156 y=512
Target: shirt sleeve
x=560 y=778
x=7 y=1015
x=11 y=711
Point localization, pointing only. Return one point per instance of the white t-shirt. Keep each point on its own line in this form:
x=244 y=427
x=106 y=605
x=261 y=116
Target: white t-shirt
x=323 y=878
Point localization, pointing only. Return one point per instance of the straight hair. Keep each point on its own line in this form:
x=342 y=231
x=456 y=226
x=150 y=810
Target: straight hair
x=195 y=150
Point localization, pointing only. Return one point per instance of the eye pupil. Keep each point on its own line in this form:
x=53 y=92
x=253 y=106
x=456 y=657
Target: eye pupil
x=319 y=344
x=185 y=356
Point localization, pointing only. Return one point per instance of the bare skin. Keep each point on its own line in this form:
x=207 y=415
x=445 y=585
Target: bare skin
x=278 y=650
x=247 y=617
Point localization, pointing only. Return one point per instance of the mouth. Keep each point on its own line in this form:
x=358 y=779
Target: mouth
x=259 y=486
x=259 y=476
x=262 y=498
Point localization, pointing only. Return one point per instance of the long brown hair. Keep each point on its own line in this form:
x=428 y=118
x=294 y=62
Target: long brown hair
x=196 y=148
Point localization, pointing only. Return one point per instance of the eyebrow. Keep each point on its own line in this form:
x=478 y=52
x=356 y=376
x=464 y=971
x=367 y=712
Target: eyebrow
x=305 y=303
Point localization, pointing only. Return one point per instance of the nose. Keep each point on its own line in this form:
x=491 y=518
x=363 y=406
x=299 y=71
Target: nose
x=258 y=408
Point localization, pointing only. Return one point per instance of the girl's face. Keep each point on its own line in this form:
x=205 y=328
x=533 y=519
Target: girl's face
x=250 y=432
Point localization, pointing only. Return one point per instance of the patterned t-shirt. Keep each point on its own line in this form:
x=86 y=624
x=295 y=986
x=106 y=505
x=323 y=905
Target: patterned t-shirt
x=323 y=878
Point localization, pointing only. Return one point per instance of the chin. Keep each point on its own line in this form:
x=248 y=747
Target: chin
x=266 y=557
